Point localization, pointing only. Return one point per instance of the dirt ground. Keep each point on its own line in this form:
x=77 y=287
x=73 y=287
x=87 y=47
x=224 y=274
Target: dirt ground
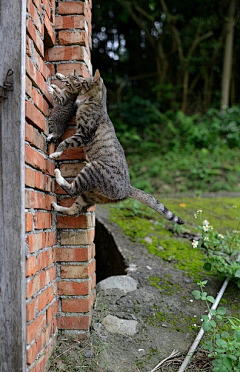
x=168 y=317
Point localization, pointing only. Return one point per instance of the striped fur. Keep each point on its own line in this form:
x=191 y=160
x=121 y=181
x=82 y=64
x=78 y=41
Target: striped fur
x=105 y=178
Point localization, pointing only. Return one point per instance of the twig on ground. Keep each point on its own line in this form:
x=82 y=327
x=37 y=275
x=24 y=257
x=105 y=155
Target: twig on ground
x=172 y=355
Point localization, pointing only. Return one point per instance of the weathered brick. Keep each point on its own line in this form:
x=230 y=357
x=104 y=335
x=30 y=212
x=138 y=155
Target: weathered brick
x=37 y=160
x=79 y=222
x=40 y=280
x=71 y=170
x=31 y=29
x=35 y=137
x=71 y=7
x=75 y=254
x=34 y=328
x=37 y=180
x=77 y=305
x=65 y=53
x=69 y=37
x=28 y=221
x=74 y=322
x=45 y=259
x=43 y=220
x=77 y=271
x=45 y=297
x=41 y=240
x=34 y=199
x=73 y=288
x=31 y=266
x=83 y=237
x=64 y=22
x=52 y=310
x=33 y=115
x=67 y=68
x=31 y=309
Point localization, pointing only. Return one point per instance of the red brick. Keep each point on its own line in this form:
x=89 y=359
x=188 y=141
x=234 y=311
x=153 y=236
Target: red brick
x=35 y=327
x=35 y=116
x=68 y=222
x=72 y=288
x=35 y=137
x=37 y=180
x=40 y=280
x=75 y=254
x=34 y=199
x=45 y=297
x=65 y=53
x=43 y=220
x=30 y=309
x=37 y=160
x=71 y=7
x=36 y=77
x=28 y=221
x=41 y=240
x=50 y=41
x=67 y=68
x=77 y=271
x=31 y=29
x=63 y=22
x=74 y=322
x=45 y=259
x=52 y=311
x=34 y=15
x=75 y=305
x=71 y=170
x=30 y=266
x=39 y=344
x=40 y=102
x=67 y=37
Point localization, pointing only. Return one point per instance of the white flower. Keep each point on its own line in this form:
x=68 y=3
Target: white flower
x=205 y=223
x=206 y=228
x=195 y=243
x=221 y=236
x=206 y=238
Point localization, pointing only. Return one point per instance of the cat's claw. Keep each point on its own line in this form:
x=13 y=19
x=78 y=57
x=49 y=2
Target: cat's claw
x=55 y=155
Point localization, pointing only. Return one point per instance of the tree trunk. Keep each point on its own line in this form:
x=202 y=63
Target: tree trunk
x=227 y=59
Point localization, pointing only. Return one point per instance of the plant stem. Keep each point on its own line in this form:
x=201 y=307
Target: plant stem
x=201 y=332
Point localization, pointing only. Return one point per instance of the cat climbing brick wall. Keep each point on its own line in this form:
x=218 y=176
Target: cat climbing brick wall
x=60 y=265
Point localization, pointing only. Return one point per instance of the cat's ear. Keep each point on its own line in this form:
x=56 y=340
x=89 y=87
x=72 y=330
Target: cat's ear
x=97 y=75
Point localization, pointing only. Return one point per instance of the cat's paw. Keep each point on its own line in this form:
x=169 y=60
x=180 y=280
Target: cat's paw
x=50 y=90
x=60 y=76
x=55 y=155
x=54 y=205
x=51 y=137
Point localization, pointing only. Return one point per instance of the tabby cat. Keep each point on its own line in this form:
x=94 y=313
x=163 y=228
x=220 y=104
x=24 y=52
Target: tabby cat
x=63 y=110
x=105 y=178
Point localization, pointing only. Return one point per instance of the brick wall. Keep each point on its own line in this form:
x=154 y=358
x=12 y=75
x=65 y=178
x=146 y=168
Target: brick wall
x=60 y=264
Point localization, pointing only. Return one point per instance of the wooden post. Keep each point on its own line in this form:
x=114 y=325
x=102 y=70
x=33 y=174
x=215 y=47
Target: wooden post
x=12 y=243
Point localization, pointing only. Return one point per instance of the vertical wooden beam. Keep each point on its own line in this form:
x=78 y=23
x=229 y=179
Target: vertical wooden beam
x=12 y=243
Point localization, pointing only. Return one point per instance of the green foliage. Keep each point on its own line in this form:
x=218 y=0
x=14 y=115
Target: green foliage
x=223 y=341
x=222 y=251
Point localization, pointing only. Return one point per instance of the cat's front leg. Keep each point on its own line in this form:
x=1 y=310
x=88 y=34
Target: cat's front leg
x=77 y=206
x=63 y=183
x=76 y=140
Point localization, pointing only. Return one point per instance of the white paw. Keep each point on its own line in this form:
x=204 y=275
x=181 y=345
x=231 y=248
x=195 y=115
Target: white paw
x=57 y=173
x=54 y=205
x=55 y=155
x=50 y=90
x=60 y=76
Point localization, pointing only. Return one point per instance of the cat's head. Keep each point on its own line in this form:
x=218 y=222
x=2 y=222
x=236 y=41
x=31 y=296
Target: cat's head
x=74 y=83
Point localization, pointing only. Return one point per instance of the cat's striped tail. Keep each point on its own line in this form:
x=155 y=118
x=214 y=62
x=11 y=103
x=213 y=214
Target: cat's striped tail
x=153 y=203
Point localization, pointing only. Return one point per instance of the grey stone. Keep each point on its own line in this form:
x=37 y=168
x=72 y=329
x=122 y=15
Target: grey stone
x=124 y=327
x=123 y=282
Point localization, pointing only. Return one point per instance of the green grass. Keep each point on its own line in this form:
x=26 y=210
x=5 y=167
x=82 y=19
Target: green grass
x=147 y=227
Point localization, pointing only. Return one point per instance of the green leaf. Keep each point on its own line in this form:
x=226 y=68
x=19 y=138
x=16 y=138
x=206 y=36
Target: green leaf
x=211 y=299
x=196 y=294
x=213 y=323
x=237 y=273
x=221 y=311
x=227 y=362
x=206 y=326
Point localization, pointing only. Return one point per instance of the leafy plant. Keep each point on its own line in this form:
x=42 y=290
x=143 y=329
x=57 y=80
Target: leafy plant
x=222 y=252
x=223 y=342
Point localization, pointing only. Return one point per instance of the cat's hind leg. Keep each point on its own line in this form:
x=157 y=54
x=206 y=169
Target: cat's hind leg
x=77 y=206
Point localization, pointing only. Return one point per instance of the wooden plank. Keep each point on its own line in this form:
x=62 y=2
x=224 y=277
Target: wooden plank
x=12 y=246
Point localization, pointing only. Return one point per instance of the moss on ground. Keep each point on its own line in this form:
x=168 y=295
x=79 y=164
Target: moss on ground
x=147 y=227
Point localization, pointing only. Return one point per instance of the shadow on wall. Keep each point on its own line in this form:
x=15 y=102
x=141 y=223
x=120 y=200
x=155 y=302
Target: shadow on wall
x=109 y=261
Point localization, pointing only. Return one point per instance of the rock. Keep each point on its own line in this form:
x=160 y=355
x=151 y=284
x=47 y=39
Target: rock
x=89 y=354
x=124 y=327
x=123 y=282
